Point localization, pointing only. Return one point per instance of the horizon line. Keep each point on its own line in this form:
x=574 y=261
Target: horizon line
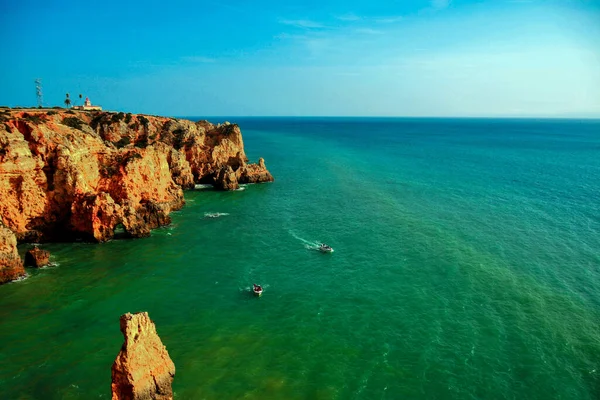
x=508 y=116
x=394 y=117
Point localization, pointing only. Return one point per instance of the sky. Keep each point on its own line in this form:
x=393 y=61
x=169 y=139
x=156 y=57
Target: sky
x=442 y=58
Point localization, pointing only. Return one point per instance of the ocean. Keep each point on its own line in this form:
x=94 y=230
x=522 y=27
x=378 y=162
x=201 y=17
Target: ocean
x=466 y=266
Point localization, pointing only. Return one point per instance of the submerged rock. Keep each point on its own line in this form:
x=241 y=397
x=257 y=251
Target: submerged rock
x=37 y=258
x=143 y=369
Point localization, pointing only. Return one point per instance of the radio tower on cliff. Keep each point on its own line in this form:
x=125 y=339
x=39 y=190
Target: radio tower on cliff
x=38 y=92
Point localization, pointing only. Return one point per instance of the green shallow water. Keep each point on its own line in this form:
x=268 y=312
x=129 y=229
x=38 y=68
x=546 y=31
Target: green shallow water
x=466 y=266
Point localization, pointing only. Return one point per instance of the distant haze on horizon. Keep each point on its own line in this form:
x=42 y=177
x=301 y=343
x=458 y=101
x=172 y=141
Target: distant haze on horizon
x=501 y=58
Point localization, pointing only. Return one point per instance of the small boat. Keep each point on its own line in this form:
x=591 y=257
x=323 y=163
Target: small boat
x=325 y=248
x=257 y=289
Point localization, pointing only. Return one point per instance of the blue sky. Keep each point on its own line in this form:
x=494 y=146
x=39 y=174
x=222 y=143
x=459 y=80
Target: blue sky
x=307 y=58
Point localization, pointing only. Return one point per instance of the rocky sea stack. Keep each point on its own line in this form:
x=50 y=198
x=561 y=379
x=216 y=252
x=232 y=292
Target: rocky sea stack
x=68 y=175
x=143 y=369
x=37 y=258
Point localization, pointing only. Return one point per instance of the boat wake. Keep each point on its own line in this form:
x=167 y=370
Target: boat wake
x=309 y=245
x=214 y=214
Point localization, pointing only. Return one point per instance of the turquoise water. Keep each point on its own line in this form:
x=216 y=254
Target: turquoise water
x=466 y=266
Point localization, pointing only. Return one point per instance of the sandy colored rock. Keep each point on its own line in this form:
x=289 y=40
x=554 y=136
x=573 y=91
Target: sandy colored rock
x=37 y=258
x=254 y=173
x=143 y=369
x=75 y=174
x=11 y=266
x=226 y=179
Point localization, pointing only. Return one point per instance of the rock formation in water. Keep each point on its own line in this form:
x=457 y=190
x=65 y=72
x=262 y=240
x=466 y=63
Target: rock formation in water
x=143 y=369
x=11 y=266
x=74 y=174
x=37 y=258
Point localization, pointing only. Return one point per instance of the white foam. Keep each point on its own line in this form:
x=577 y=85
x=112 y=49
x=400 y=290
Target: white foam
x=214 y=214
x=21 y=278
x=202 y=186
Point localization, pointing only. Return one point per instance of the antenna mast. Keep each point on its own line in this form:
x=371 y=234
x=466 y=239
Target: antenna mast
x=38 y=92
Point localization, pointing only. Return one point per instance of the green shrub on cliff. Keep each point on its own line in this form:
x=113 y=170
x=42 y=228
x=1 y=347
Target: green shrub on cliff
x=117 y=117
x=98 y=118
x=128 y=118
x=73 y=122
x=35 y=119
x=144 y=121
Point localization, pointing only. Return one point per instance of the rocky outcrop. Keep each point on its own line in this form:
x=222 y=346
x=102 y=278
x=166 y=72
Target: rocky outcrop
x=143 y=369
x=253 y=173
x=226 y=179
x=11 y=266
x=76 y=174
x=37 y=258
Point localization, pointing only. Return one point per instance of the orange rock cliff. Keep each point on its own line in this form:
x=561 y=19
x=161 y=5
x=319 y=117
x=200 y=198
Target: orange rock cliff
x=11 y=266
x=75 y=174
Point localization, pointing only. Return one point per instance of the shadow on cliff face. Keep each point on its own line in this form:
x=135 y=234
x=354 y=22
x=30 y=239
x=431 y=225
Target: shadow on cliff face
x=120 y=233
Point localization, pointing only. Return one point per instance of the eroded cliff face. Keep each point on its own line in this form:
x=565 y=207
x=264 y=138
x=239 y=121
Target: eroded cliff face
x=75 y=174
x=11 y=266
x=143 y=369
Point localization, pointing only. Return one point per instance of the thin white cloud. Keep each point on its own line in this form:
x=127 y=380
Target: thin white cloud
x=302 y=23
x=199 y=59
x=348 y=17
x=388 y=20
x=369 y=31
